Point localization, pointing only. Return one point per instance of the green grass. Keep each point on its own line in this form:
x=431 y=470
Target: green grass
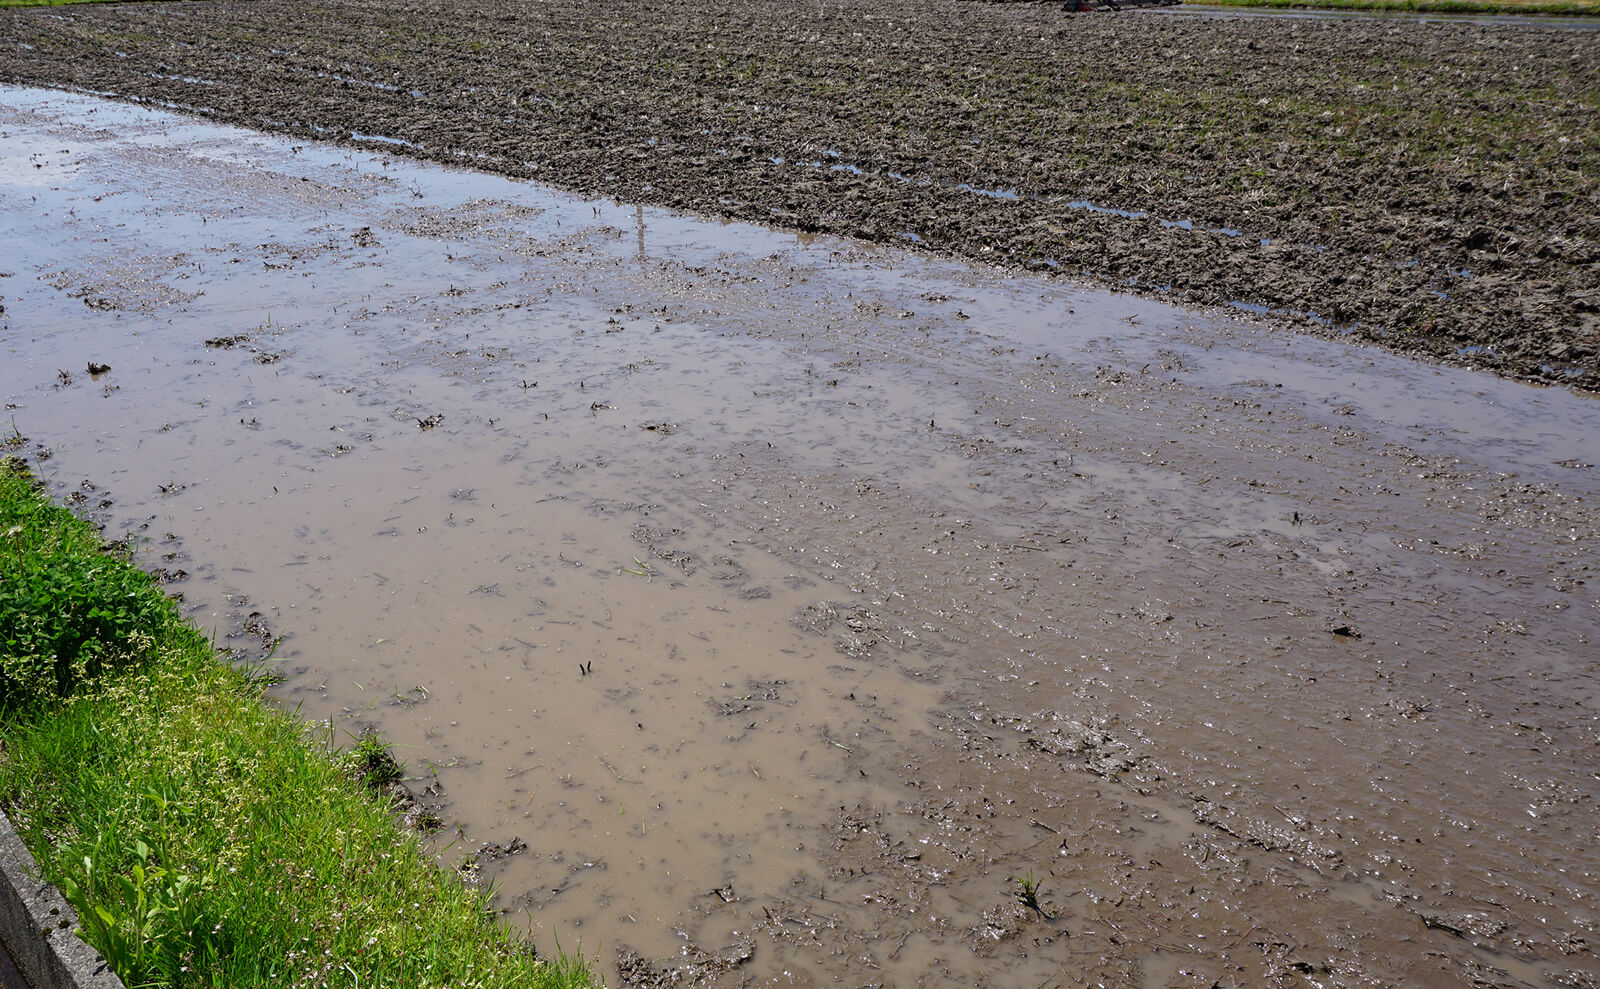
x=206 y=838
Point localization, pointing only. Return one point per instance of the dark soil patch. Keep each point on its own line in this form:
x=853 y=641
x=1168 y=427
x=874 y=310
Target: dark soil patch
x=1429 y=186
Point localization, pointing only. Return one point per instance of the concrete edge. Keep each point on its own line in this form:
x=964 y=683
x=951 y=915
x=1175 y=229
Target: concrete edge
x=37 y=925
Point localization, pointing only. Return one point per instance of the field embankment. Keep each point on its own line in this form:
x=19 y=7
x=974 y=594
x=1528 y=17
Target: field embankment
x=204 y=837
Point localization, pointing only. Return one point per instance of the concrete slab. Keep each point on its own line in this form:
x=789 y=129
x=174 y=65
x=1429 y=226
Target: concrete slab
x=37 y=925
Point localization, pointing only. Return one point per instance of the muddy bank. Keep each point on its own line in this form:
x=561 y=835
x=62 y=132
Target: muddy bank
x=1431 y=186
x=762 y=608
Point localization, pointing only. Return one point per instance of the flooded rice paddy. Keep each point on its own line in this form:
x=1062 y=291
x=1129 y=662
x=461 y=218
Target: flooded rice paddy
x=759 y=609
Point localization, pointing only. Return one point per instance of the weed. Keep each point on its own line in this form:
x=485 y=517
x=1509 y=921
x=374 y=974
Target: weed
x=68 y=615
x=1028 y=894
x=147 y=919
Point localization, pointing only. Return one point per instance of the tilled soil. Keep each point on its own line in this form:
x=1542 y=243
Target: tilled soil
x=1432 y=186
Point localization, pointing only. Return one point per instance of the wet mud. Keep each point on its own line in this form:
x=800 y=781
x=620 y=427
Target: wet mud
x=1423 y=183
x=769 y=609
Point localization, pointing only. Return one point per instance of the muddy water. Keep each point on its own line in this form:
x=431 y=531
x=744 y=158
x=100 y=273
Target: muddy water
x=790 y=599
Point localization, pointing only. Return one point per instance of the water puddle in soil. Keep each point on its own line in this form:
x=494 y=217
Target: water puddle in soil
x=722 y=566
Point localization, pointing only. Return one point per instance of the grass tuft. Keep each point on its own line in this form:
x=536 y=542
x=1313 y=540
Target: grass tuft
x=373 y=765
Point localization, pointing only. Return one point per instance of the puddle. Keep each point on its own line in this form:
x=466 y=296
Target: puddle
x=785 y=594
x=989 y=193
x=997 y=194
x=378 y=139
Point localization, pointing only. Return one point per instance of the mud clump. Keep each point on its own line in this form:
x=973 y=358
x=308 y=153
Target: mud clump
x=1426 y=186
x=696 y=967
x=856 y=630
